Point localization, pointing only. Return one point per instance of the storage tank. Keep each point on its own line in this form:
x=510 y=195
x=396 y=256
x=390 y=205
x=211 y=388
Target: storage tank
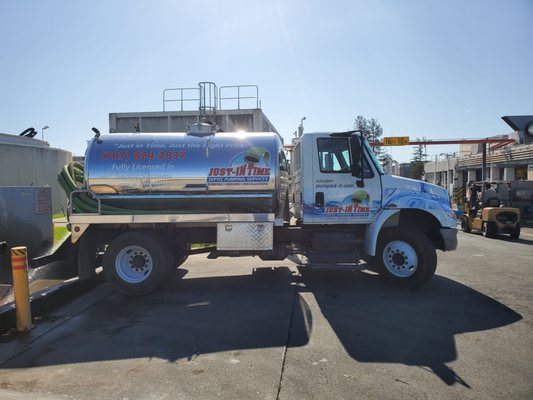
x=28 y=161
x=25 y=220
x=183 y=172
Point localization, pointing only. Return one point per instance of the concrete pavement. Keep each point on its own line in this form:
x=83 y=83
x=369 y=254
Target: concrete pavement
x=243 y=328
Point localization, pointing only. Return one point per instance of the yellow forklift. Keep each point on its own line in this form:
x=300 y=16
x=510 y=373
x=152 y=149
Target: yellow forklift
x=482 y=212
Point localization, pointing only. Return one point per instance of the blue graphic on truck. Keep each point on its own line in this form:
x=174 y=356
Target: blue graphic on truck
x=357 y=204
x=426 y=197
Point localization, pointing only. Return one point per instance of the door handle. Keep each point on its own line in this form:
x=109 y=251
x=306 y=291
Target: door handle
x=319 y=199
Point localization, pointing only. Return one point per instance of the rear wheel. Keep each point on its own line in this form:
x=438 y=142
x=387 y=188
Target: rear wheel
x=489 y=229
x=405 y=257
x=181 y=254
x=135 y=263
x=515 y=234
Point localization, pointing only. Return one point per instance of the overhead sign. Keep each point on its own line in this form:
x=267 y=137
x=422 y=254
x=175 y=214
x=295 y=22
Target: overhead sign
x=396 y=141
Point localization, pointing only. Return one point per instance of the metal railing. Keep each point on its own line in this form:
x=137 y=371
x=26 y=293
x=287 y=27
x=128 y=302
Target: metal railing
x=238 y=97
x=509 y=155
x=182 y=92
x=207 y=100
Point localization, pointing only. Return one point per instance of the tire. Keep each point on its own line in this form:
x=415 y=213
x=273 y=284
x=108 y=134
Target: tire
x=515 y=234
x=465 y=227
x=406 y=258
x=181 y=255
x=179 y=260
x=136 y=263
x=489 y=229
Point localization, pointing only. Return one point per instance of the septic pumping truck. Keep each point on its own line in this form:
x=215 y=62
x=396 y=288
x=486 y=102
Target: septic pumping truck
x=141 y=200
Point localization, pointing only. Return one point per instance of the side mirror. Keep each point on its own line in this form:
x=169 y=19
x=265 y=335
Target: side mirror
x=357 y=159
x=355 y=145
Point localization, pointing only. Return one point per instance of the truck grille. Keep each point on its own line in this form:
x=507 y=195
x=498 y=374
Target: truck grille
x=506 y=218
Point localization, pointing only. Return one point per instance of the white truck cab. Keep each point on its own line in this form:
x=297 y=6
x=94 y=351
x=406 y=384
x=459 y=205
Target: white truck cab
x=337 y=180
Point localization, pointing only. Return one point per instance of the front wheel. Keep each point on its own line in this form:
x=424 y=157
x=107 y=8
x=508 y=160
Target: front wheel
x=407 y=258
x=515 y=234
x=489 y=229
x=135 y=263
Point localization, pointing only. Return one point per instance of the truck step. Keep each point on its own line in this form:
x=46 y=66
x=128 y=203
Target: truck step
x=331 y=257
x=333 y=267
x=329 y=242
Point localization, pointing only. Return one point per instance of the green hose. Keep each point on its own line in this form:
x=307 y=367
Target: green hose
x=71 y=177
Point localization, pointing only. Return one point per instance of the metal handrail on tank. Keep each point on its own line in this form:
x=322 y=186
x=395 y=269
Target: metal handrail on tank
x=180 y=98
x=208 y=99
x=239 y=97
x=77 y=192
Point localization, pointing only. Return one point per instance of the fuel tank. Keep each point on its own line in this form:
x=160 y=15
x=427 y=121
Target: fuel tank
x=237 y=172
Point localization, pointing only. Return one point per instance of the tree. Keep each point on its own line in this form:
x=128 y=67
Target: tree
x=417 y=162
x=372 y=131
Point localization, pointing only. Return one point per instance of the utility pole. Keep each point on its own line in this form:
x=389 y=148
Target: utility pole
x=435 y=169
x=484 y=161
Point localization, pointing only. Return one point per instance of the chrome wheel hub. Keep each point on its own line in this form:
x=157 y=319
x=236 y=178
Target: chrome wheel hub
x=400 y=259
x=133 y=264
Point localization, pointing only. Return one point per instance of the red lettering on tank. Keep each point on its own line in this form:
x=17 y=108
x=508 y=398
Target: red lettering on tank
x=114 y=155
x=257 y=171
x=241 y=171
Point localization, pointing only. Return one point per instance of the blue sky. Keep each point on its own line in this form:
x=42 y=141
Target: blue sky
x=439 y=69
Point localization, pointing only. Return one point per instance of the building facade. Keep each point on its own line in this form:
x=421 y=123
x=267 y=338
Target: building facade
x=26 y=161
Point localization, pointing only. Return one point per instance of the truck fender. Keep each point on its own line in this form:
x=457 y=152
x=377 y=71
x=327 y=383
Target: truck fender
x=385 y=218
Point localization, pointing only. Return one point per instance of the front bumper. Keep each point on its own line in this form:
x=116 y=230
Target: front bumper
x=449 y=238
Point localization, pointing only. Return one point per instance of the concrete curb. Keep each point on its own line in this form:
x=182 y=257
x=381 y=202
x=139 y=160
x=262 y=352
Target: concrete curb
x=48 y=299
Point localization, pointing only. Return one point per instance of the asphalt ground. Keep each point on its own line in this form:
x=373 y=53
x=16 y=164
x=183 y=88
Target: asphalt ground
x=244 y=328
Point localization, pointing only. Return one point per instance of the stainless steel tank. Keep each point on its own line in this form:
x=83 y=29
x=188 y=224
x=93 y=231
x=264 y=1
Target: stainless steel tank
x=237 y=172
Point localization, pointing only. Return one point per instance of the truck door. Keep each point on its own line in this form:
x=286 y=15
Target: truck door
x=337 y=197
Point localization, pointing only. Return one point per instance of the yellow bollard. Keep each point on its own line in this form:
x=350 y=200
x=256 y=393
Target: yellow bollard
x=19 y=268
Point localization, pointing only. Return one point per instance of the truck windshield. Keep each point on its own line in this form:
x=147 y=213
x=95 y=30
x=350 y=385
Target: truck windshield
x=373 y=157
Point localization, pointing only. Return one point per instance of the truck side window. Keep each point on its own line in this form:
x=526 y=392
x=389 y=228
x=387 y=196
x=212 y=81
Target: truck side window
x=333 y=155
x=283 y=162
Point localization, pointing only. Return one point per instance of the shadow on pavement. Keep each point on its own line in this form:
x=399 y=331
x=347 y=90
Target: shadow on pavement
x=185 y=319
x=521 y=239
x=385 y=324
x=374 y=322
x=505 y=237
